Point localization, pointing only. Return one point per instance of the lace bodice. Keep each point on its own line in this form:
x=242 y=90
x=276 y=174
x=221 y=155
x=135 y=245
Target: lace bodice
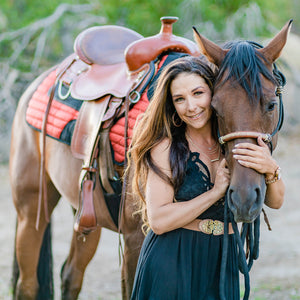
x=197 y=181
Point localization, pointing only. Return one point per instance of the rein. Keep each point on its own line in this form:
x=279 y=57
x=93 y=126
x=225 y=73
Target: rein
x=250 y=232
x=245 y=260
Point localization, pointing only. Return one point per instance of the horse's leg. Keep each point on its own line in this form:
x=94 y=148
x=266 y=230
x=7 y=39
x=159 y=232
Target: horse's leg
x=82 y=251
x=45 y=268
x=28 y=245
x=131 y=225
x=24 y=178
x=132 y=247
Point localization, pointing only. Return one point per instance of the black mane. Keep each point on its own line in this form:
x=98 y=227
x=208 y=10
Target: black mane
x=243 y=63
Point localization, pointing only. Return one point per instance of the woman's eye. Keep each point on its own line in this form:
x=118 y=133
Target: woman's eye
x=180 y=99
x=198 y=93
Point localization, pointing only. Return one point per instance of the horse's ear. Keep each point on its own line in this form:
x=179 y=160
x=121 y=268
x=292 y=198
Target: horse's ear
x=273 y=50
x=212 y=51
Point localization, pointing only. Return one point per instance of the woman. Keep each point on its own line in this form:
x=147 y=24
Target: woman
x=181 y=179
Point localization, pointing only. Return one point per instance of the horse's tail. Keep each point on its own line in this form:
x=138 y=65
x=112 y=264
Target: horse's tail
x=45 y=269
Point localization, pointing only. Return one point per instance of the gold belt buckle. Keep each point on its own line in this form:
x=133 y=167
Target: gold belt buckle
x=210 y=226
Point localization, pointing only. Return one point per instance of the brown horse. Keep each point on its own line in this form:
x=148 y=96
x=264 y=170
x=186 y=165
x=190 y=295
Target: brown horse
x=246 y=192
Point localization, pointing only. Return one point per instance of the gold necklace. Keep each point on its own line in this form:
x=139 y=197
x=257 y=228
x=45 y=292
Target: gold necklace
x=202 y=152
x=213 y=149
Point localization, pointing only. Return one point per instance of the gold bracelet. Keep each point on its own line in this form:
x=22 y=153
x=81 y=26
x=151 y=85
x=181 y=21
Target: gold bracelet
x=275 y=177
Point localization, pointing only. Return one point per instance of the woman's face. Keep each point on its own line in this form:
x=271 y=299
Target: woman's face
x=191 y=98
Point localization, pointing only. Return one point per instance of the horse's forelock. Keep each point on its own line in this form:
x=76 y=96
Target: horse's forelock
x=243 y=64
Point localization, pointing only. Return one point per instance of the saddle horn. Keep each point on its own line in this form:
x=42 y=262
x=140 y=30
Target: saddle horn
x=142 y=51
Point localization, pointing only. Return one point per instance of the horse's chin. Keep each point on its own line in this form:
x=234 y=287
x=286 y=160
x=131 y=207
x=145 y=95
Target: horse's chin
x=247 y=218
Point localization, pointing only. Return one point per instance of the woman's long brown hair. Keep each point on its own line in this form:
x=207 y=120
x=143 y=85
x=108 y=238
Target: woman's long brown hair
x=156 y=124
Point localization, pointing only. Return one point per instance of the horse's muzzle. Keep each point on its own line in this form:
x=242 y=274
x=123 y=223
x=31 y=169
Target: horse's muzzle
x=246 y=201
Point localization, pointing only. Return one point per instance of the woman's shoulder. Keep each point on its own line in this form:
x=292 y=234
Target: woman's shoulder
x=162 y=146
x=160 y=153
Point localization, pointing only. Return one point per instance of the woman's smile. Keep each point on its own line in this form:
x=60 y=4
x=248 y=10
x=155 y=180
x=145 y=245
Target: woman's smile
x=195 y=117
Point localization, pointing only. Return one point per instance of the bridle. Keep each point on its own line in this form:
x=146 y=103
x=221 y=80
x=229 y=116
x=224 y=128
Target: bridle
x=249 y=231
x=266 y=137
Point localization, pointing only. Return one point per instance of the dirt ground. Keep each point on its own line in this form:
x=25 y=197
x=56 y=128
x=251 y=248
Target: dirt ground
x=276 y=274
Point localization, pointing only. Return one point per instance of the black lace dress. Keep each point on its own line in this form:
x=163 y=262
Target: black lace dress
x=184 y=264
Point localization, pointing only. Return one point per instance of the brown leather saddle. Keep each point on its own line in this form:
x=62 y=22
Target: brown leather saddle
x=109 y=64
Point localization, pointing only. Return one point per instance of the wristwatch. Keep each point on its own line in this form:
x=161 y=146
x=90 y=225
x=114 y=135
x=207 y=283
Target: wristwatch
x=276 y=176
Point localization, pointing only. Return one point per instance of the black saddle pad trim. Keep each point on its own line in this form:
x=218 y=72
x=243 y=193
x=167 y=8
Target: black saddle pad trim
x=113 y=200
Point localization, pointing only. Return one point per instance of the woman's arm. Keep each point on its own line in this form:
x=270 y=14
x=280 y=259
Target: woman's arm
x=163 y=213
x=275 y=194
x=258 y=157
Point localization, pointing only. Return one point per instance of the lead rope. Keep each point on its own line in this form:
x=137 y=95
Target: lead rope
x=251 y=232
x=224 y=252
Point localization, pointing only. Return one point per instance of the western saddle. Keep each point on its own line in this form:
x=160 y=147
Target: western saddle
x=110 y=67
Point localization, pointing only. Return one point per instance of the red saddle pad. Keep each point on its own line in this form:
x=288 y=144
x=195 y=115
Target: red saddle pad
x=59 y=116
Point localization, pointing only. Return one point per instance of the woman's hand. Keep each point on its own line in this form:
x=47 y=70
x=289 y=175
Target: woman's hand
x=222 y=179
x=257 y=157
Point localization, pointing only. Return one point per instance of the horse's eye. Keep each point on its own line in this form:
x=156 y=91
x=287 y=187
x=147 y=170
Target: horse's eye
x=271 y=105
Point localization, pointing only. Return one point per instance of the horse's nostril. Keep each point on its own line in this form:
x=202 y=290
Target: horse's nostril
x=231 y=203
x=258 y=193
x=256 y=203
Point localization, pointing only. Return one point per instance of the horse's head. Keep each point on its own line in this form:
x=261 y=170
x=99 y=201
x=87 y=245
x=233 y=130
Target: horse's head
x=246 y=104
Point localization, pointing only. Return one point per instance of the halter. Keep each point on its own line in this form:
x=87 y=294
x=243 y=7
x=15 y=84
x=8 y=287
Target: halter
x=249 y=231
x=267 y=137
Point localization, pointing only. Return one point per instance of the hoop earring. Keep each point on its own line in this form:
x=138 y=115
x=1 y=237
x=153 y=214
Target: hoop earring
x=174 y=121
